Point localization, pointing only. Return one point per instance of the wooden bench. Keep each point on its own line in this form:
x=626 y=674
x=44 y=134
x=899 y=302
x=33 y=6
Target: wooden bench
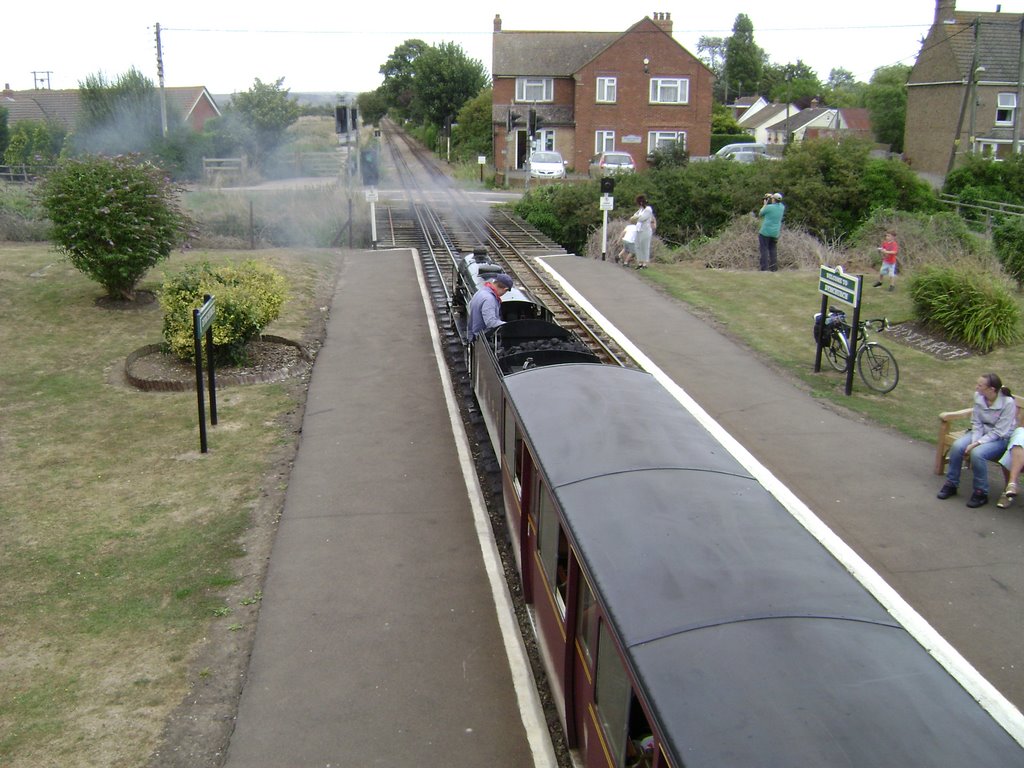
x=948 y=434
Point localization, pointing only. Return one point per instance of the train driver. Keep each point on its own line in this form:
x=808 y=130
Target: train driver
x=485 y=306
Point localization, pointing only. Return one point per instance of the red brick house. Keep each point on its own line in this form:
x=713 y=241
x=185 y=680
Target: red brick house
x=964 y=91
x=194 y=105
x=633 y=91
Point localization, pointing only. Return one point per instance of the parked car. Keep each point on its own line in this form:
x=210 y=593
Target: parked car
x=732 y=149
x=610 y=163
x=546 y=165
x=749 y=157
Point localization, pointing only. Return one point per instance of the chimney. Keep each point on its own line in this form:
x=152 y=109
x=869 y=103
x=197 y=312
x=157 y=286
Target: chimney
x=664 y=21
x=8 y=93
x=945 y=11
x=497 y=22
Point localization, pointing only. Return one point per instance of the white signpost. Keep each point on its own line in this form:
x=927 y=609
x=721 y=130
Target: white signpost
x=371 y=198
x=607 y=204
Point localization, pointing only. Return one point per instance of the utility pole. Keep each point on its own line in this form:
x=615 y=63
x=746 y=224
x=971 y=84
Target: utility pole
x=39 y=77
x=160 y=76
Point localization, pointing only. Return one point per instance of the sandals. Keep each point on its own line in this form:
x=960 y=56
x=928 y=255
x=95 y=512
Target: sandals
x=1008 y=497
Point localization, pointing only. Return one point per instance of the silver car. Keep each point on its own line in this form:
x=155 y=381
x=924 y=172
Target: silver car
x=546 y=165
x=611 y=163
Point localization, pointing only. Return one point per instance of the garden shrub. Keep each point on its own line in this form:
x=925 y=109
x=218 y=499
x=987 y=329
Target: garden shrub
x=113 y=217
x=967 y=305
x=248 y=298
x=924 y=238
x=565 y=213
x=1008 y=239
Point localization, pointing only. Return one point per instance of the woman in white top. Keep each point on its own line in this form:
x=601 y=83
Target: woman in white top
x=643 y=218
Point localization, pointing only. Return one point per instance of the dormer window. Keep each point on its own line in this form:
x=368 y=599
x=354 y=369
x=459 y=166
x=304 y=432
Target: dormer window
x=533 y=89
x=1006 y=105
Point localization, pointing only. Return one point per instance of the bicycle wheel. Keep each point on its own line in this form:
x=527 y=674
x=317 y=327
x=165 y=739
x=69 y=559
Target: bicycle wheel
x=878 y=367
x=837 y=351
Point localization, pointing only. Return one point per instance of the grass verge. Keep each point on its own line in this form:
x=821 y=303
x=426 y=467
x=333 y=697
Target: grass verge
x=117 y=537
x=772 y=313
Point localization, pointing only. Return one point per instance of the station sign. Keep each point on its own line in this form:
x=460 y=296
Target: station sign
x=371 y=196
x=836 y=284
x=607 y=203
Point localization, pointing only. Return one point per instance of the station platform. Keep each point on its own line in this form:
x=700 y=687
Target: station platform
x=961 y=569
x=385 y=636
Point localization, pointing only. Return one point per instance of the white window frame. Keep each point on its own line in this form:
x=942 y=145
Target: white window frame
x=535 y=89
x=1006 y=102
x=670 y=90
x=545 y=140
x=607 y=90
x=604 y=141
x=655 y=139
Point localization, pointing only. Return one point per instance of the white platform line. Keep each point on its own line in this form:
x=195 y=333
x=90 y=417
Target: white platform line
x=986 y=694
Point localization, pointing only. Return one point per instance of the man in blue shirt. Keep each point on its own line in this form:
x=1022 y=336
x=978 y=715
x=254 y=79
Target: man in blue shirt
x=485 y=306
x=768 y=236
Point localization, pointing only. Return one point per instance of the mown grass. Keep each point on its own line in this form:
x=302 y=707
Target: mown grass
x=116 y=535
x=772 y=314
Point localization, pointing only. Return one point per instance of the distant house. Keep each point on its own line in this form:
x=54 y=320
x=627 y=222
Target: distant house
x=635 y=91
x=964 y=92
x=793 y=129
x=756 y=120
x=746 y=106
x=194 y=105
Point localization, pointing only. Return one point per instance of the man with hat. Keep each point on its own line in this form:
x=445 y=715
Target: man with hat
x=485 y=306
x=768 y=235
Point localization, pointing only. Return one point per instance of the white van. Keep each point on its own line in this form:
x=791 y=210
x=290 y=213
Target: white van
x=732 y=149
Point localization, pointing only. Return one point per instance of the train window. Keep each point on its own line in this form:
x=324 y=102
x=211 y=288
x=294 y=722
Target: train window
x=586 y=620
x=639 y=738
x=513 y=448
x=611 y=694
x=554 y=549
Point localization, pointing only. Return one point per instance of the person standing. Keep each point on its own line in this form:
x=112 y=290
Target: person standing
x=644 y=220
x=890 y=255
x=771 y=214
x=485 y=306
x=1013 y=464
x=992 y=422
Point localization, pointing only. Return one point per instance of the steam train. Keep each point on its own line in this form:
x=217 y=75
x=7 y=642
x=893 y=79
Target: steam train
x=684 y=616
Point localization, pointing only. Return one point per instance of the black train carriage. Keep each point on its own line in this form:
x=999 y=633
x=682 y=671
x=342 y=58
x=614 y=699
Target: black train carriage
x=686 y=618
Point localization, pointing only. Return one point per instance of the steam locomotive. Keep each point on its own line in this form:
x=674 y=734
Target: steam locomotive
x=684 y=616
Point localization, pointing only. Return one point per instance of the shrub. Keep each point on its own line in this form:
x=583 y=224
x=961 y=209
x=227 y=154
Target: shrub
x=967 y=305
x=924 y=238
x=113 y=218
x=248 y=298
x=1008 y=239
x=565 y=213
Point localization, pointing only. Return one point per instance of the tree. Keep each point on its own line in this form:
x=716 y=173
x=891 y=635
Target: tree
x=842 y=89
x=113 y=218
x=794 y=83
x=5 y=132
x=118 y=117
x=373 y=105
x=445 y=79
x=886 y=100
x=722 y=121
x=712 y=52
x=34 y=143
x=399 y=72
x=744 y=60
x=473 y=135
x=267 y=111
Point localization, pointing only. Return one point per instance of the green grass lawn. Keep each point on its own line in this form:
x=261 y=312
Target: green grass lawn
x=773 y=315
x=117 y=537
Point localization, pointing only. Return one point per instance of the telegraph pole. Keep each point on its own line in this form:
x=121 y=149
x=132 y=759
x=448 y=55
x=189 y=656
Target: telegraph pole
x=160 y=75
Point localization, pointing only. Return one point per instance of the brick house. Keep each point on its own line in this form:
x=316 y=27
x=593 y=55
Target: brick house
x=964 y=90
x=633 y=91
x=194 y=105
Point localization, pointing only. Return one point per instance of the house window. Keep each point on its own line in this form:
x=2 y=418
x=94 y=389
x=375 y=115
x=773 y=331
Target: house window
x=664 y=139
x=604 y=141
x=535 y=89
x=1005 y=107
x=606 y=90
x=670 y=90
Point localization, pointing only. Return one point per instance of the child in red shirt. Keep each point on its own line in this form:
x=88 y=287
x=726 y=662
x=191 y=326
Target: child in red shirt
x=890 y=252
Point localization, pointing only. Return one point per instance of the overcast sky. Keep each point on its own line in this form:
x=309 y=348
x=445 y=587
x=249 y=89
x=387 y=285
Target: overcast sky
x=225 y=45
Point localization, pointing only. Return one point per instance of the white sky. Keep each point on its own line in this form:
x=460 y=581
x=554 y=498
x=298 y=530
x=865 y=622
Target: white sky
x=226 y=44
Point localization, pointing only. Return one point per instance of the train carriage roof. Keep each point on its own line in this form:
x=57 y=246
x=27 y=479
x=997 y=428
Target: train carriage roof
x=750 y=638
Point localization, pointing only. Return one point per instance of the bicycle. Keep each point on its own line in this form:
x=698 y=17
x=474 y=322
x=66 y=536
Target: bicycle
x=876 y=364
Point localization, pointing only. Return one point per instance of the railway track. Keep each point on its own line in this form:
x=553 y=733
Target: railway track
x=442 y=222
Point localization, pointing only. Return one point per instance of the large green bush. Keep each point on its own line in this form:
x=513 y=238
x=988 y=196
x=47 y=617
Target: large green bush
x=247 y=297
x=970 y=306
x=1008 y=239
x=981 y=179
x=564 y=212
x=113 y=217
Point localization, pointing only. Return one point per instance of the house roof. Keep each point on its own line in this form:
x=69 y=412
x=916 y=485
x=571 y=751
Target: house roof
x=998 y=45
x=799 y=120
x=856 y=118
x=64 y=106
x=766 y=114
x=553 y=54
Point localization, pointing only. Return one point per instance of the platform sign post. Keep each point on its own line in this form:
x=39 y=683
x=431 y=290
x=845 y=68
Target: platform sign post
x=202 y=323
x=481 y=160
x=834 y=283
x=607 y=204
x=371 y=198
